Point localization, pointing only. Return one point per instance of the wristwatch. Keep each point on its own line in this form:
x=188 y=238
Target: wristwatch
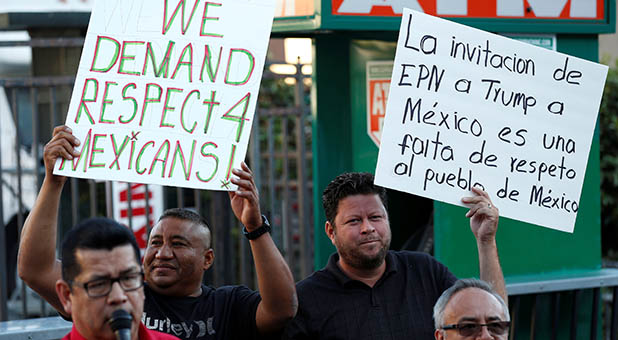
x=263 y=229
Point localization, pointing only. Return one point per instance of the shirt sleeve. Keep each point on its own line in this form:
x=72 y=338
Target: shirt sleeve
x=448 y=278
x=244 y=302
x=297 y=328
x=437 y=276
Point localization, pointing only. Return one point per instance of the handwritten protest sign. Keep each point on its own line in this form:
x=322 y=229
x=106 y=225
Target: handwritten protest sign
x=166 y=90
x=469 y=108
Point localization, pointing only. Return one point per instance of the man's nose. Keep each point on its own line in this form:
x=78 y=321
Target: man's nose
x=484 y=334
x=367 y=227
x=164 y=252
x=117 y=295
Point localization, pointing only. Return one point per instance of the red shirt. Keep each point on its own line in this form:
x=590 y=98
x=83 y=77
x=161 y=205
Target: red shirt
x=143 y=333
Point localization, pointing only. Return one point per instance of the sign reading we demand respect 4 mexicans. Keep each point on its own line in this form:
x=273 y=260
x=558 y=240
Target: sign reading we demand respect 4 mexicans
x=469 y=108
x=166 y=90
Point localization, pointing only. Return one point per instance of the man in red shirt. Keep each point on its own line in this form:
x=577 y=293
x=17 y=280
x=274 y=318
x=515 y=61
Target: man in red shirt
x=101 y=274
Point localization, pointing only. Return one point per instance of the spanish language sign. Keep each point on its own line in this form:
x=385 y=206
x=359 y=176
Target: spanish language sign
x=166 y=90
x=469 y=108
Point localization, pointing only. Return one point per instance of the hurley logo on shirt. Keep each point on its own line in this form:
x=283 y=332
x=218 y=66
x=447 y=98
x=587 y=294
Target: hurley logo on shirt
x=182 y=329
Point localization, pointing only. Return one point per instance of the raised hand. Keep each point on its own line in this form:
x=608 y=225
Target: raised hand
x=245 y=200
x=483 y=215
x=63 y=145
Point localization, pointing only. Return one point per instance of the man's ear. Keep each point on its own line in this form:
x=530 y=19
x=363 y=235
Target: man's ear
x=209 y=258
x=438 y=334
x=329 y=228
x=63 y=290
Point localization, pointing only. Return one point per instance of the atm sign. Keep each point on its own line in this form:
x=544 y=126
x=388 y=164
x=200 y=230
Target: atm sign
x=508 y=9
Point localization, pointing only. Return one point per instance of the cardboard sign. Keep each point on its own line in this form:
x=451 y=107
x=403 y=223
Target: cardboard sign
x=166 y=90
x=469 y=108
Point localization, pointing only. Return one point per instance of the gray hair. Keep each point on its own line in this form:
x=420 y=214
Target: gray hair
x=438 y=308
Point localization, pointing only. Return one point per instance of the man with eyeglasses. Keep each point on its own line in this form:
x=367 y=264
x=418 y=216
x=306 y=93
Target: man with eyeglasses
x=101 y=275
x=178 y=253
x=471 y=309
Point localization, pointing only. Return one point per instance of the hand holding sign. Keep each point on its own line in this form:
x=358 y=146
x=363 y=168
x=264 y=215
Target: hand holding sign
x=62 y=145
x=483 y=215
x=467 y=109
x=245 y=201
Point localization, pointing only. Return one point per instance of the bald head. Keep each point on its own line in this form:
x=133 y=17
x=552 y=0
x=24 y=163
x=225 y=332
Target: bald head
x=201 y=225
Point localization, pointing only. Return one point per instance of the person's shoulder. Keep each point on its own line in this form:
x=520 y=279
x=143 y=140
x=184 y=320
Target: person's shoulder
x=408 y=256
x=240 y=294
x=423 y=266
x=231 y=289
x=316 y=284
x=414 y=259
x=316 y=278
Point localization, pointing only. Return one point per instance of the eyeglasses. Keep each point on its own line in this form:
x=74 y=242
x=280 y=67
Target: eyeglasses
x=101 y=287
x=472 y=329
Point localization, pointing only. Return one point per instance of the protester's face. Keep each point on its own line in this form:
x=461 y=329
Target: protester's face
x=176 y=257
x=91 y=315
x=361 y=231
x=472 y=305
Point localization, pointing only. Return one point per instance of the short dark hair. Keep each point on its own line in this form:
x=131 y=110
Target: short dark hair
x=187 y=215
x=94 y=233
x=348 y=184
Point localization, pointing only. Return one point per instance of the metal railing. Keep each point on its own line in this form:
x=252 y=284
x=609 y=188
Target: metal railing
x=576 y=307
x=49 y=328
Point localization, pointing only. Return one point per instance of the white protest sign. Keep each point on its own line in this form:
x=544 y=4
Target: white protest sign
x=166 y=90
x=469 y=108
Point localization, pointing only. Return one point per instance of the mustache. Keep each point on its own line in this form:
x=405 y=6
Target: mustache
x=163 y=265
x=370 y=239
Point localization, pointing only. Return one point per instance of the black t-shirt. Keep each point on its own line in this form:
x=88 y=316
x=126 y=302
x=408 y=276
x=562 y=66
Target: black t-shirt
x=224 y=313
x=399 y=306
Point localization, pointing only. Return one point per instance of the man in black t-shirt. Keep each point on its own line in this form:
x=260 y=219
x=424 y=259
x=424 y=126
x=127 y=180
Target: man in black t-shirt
x=367 y=291
x=177 y=255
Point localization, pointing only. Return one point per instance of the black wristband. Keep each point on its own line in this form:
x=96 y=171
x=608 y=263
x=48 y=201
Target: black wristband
x=263 y=229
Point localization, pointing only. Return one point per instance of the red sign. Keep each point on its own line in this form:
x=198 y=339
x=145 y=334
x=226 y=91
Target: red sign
x=527 y=9
x=378 y=94
x=378 y=75
x=142 y=215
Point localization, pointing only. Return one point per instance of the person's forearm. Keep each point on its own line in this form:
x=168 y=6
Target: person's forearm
x=490 y=269
x=36 y=262
x=276 y=284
